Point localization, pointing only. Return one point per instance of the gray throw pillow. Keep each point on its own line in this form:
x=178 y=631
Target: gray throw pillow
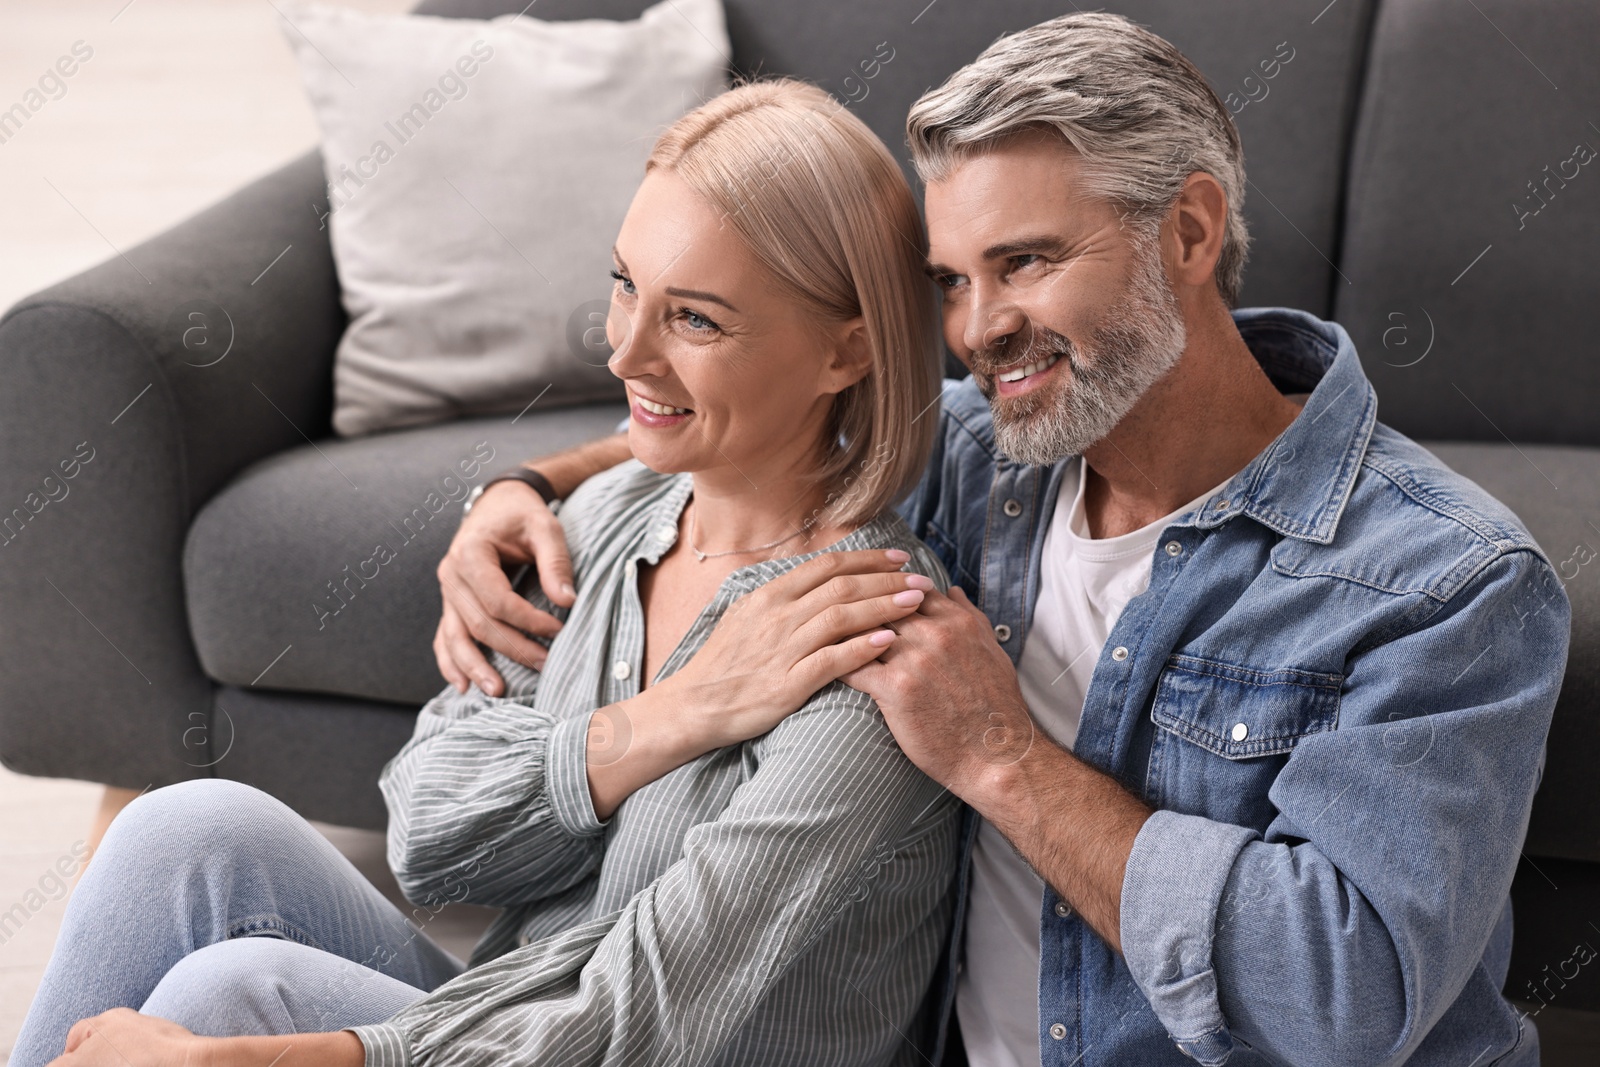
x=478 y=172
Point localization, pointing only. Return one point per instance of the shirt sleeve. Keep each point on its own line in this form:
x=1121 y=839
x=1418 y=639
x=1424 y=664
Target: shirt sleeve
x=489 y=801
x=1374 y=892
x=674 y=974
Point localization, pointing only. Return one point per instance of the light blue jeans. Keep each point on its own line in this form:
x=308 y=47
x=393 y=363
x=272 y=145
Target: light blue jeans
x=212 y=904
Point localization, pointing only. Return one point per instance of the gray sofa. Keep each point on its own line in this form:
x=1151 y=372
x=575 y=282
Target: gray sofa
x=169 y=607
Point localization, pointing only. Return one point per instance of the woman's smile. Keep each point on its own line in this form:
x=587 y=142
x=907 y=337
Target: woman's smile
x=653 y=413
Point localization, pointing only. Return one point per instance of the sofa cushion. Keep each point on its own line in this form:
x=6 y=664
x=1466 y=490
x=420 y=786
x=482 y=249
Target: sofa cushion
x=478 y=172
x=878 y=57
x=314 y=569
x=1554 y=490
x=1473 y=219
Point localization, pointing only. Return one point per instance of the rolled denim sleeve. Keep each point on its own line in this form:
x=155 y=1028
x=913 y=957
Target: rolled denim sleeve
x=1343 y=933
x=1167 y=924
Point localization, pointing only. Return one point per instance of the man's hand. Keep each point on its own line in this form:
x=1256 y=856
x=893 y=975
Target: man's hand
x=950 y=696
x=509 y=524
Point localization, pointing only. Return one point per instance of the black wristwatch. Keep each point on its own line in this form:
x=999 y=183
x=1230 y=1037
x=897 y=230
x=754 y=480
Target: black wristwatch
x=539 y=483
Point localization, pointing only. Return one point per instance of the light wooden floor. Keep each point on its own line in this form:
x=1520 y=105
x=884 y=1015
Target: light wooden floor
x=180 y=104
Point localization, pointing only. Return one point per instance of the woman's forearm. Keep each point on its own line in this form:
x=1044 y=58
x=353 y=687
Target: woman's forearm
x=636 y=741
x=338 y=1049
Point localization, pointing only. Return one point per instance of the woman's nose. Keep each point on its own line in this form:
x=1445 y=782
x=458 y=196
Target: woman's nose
x=626 y=351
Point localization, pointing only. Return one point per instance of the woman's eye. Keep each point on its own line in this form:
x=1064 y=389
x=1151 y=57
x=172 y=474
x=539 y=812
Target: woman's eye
x=624 y=281
x=698 y=321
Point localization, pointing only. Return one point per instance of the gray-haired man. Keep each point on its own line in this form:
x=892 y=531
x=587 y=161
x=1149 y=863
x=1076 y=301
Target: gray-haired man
x=1250 y=697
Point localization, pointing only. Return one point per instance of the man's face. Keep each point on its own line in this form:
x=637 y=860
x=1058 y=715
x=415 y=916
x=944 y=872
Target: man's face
x=1060 y=306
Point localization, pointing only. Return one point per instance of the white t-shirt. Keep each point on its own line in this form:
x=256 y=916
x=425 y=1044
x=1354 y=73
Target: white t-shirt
x=1083 y=586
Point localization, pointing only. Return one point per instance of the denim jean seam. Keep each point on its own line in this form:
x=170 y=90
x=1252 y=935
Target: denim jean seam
x=270 y=926
x=1522 y=1033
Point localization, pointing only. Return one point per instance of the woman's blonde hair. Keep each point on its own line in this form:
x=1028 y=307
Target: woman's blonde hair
x=824 y=207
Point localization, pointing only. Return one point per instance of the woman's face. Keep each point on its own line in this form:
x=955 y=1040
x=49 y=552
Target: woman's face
x=726 y=373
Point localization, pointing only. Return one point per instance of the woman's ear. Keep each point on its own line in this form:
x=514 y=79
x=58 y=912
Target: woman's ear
x=851 y=357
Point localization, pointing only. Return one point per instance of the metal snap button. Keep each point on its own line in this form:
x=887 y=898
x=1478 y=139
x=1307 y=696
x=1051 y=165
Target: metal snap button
x=1062 y=910
x=1012 y=507
x=1119 y=653
x=1240 y=731
x=1173 y=548
x=1058 y=1031
x=1002 y=633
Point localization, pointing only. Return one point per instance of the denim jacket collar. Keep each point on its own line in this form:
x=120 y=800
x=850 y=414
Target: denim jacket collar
x=1299 y=484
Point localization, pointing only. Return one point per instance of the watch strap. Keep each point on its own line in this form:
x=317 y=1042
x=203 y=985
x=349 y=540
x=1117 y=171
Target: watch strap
x=529 y=477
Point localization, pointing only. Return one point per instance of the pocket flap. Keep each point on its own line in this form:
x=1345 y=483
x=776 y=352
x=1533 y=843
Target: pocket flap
x=1239 y=712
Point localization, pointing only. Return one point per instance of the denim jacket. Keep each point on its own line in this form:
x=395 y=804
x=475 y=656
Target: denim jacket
x=1335 y=693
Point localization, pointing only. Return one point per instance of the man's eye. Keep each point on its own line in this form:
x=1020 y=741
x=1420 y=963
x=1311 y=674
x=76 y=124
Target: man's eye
x=698 y=321
x=624 y=281
x=1026 y=260
x=948 y=281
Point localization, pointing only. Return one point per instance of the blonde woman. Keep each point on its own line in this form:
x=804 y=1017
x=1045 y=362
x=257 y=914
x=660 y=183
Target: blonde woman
x=685 y=878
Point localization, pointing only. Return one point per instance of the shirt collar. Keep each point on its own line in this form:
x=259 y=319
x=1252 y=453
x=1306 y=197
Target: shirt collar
x=1298 y=485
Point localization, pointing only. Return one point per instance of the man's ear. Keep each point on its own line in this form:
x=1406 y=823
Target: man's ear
x=1199 y=223
x=851 y=357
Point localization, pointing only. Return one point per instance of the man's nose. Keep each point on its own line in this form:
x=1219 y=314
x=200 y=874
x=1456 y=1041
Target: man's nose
x=991 y=322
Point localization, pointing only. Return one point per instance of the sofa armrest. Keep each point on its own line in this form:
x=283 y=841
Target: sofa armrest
x=128 y=395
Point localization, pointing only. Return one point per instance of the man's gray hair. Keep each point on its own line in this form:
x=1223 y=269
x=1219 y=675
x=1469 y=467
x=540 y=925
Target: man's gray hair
x=1134 y=108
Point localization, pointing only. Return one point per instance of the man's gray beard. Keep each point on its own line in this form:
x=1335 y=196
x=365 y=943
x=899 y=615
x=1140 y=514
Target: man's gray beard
x=1139 y=339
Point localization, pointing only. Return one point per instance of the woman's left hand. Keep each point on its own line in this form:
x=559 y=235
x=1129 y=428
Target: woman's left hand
x=123 y=1037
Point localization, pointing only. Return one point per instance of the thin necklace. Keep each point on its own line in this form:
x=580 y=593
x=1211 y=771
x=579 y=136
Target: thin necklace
x=694 y=529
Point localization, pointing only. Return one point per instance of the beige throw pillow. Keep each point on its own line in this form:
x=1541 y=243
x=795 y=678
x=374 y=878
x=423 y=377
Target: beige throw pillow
x=478 y=172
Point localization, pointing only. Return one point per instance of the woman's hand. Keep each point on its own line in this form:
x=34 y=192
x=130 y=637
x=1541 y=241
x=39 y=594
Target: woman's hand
x=123 y=1037
x=769 y=653
x=774 y=648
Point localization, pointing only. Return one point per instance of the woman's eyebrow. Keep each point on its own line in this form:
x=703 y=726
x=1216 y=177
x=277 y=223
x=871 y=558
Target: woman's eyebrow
x=697 y=294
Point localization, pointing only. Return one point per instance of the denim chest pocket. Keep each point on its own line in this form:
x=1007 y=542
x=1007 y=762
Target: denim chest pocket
x=1225 y=731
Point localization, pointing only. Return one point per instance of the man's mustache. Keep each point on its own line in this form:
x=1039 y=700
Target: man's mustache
x=1025 y=346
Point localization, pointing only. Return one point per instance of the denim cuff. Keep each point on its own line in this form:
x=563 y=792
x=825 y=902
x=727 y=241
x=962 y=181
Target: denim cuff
x=1171 y=894
x=385 y=1045
x=566 y=777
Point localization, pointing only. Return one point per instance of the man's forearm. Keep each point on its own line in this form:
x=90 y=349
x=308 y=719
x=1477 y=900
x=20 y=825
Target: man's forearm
x=568 y=469
x=1074 y=824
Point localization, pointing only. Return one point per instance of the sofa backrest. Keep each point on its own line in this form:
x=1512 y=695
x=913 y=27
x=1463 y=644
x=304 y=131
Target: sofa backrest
x=1473 y=225
x=1296 y=124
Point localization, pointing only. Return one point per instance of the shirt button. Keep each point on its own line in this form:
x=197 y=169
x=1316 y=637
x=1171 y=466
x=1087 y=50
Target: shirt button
x=620 y=670
x=1119 y=653
x=1002 y=633
x=666 y=533
x=1062 y=910
x=1240 y=731
x=1173 y=548
x=630 y=569
x=1058 y=1031
x=1012 y=507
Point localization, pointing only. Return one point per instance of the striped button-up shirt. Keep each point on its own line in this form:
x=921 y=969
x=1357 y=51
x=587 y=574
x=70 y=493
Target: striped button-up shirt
x=780 y=901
